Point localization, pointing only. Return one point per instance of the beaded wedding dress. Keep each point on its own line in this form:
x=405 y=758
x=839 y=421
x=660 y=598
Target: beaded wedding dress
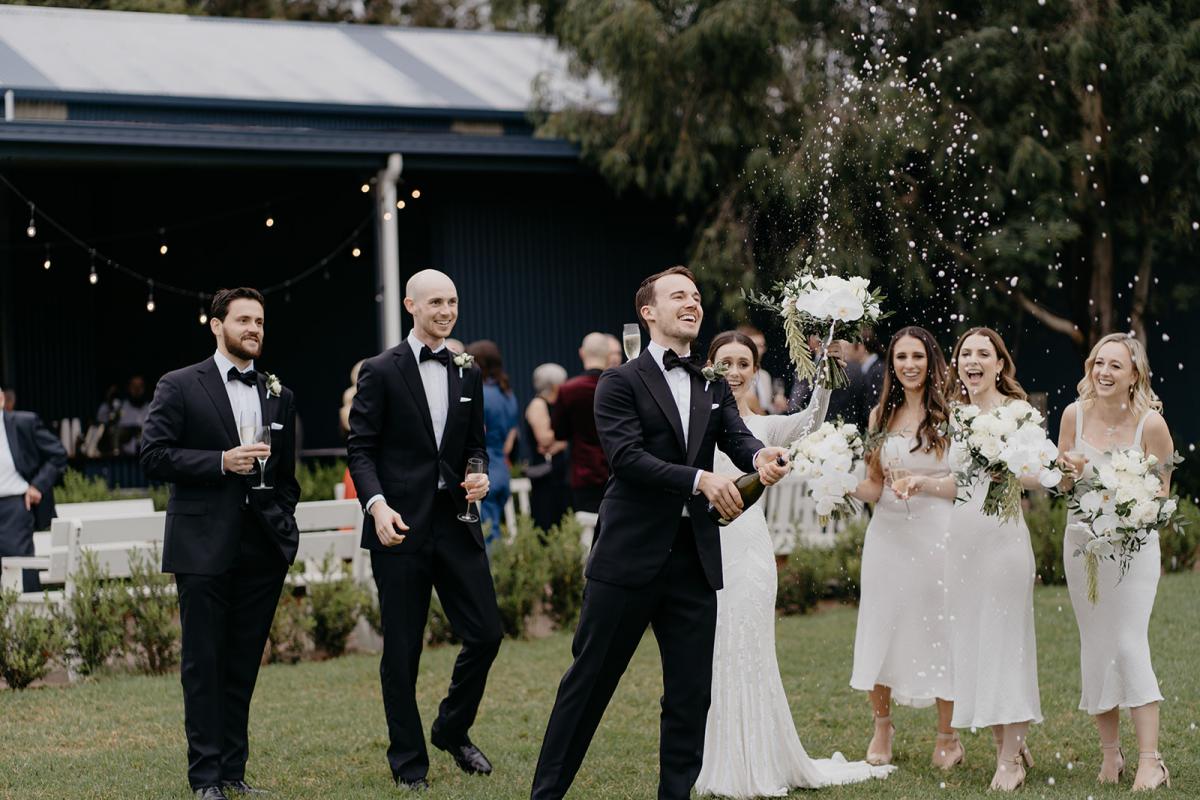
x=751 y=748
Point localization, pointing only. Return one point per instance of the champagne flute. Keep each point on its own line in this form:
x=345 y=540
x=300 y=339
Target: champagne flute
x=898 y=472
x=1078 y=462
x=263 y=436
x=474 y=467
x=247 y=428
x=631 y=340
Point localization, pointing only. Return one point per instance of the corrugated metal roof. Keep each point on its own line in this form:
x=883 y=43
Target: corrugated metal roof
x=128 y=53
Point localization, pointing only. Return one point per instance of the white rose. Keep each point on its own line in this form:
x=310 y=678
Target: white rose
x=1107 y=476
x=1168 y=507
x=1144 y=513
x=967 y=412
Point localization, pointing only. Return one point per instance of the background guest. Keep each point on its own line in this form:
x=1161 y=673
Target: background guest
x=616 y=354
x=10 y=400
x=575 y=423
x=124 y=416
x=31 y=461
x=500 y=416
x=548 y=467
x=864 y=377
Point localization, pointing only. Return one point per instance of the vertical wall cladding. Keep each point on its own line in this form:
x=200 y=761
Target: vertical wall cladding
x=540 y=261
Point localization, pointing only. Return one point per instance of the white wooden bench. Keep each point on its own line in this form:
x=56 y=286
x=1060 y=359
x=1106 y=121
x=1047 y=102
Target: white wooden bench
x=50 y=547
x=325 y=526
x=517 y=503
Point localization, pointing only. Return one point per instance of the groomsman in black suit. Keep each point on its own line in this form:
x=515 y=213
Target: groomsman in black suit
x=31 y=461
x=656 y=556
x=228 y=543
x=416 y=419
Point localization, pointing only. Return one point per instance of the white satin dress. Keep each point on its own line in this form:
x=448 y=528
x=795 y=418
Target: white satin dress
x=751 y=748
x=990 y=573
x=901 y=640
x=1114 y=643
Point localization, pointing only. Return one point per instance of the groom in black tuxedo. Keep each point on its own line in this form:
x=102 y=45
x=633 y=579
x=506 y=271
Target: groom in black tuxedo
x=656 y=555
x=228 y=543
x=416 y=418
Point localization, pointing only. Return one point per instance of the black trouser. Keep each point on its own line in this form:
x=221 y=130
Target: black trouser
x=225 y=620
x=587 y=498
x=453 y=563
x=16 y=535
x=681 y=607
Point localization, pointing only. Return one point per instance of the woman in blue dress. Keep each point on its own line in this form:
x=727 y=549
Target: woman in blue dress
x=500 y=419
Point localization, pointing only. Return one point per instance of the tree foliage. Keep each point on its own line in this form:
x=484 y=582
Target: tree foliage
x=1074 y=125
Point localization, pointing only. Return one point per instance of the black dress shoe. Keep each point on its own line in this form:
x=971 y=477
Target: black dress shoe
x=468 y=757
x=415 y=785
x=211 y=793
x=241 y=787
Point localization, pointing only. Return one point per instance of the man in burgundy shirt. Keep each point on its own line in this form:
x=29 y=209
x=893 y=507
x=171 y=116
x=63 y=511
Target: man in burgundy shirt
x=574 y=421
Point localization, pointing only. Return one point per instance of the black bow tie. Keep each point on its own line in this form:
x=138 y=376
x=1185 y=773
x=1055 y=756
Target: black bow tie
x=249 y=377
x=692 y=364
x=442 y=355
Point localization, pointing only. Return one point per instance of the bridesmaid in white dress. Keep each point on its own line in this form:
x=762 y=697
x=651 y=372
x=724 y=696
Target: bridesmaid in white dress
x=989 y=581
x=1117 y=409
x=901 y=649
x=751 y=748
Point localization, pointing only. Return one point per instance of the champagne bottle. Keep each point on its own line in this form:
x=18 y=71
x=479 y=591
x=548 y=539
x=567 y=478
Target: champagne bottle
x=750 y=487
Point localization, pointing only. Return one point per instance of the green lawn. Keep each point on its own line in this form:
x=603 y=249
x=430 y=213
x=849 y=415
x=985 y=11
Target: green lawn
x=318 y=731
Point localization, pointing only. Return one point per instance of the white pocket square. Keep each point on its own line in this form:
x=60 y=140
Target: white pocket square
x=464 y=399
x=716 y=406
x=276 y=426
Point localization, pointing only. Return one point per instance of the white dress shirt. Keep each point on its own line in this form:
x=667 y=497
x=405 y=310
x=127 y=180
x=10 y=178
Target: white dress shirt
x=679 y=381
x=11 y=482
x=437 y=396
x=243 y=399
x=867 y=363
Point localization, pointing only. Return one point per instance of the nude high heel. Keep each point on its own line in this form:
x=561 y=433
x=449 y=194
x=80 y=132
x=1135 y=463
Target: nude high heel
x=1016 y=763
x=1166 y=775
x=1120 y=770
x=948 y=752
x=878 y=759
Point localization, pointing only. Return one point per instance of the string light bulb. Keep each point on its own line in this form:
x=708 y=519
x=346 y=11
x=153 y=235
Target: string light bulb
x=366 y=187
x=356 y=252
x=400 y=204
x=46 y=263
x=387 y=216
x=162 y=235
x=93 y=278
x=270 y=222
x=150 y=297
x=203 y=316
x=31 y=230
x=416 y=193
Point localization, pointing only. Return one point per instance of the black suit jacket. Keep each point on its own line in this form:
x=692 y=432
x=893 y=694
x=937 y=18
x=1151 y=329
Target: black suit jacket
x=392 y=449
x=189 y=426
x=652 y=474
x=39 y=458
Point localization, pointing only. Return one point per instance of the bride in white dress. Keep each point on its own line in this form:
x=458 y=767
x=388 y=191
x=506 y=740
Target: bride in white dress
x=1117 y=409
x=751 y=748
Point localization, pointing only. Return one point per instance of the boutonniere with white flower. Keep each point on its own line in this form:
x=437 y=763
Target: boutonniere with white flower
x=274 y=387
x=714 y=372
x=463 y=361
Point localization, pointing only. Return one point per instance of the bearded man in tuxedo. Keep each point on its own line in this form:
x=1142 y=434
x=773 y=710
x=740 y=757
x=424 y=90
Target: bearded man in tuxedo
x=656 y=555
x=229 y=542
x=416 y=419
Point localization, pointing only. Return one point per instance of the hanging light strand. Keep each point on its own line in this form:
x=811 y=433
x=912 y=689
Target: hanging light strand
x=152 y=285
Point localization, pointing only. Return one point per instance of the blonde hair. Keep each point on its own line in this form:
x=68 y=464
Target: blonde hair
x=1141 y=396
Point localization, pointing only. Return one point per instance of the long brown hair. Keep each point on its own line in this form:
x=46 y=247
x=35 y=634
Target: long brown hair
x=1006 y=381
x=487 y=358
x=931 y=435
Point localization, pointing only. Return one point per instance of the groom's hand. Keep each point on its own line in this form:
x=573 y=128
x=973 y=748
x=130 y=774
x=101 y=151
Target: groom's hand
x=722 y=493
x=387 y=524
x=767 y=461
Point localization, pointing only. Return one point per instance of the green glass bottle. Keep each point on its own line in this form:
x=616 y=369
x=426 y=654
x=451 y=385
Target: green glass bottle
x=750 y=487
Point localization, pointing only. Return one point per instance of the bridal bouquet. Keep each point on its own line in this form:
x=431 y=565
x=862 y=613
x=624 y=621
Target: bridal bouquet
x=826 y=459
x=1005 y=444
x=1119 y=507
x=828 y=306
